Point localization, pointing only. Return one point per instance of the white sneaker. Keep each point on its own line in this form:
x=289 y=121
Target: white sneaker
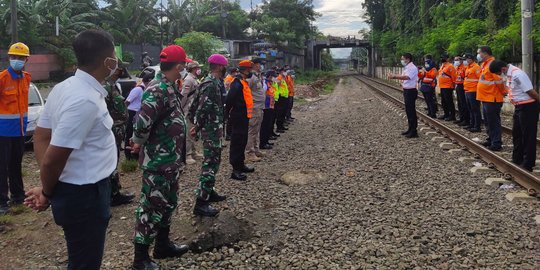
x=190 y=160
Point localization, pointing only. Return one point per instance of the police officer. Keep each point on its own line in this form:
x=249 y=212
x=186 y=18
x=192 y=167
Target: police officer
x=118 y=111
x=14 y=85
x=239 y=109
x=206 y=112
x=525 y=100
x=160 y=131
x=254 y=154
x=189 y=88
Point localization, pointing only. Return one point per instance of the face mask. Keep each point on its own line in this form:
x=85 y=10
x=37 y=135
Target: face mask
x=456 y=63
x=198 y=72
x=223 y=71
x=111 y=71
x=16 y=65
x=183 y=73
x=249 y=75
x=479 y=58
x=403 y=62
x=426 y=65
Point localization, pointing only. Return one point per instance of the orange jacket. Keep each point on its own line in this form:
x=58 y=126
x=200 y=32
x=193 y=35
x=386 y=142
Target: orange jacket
x=472 y=74
x=248 y=98
x=460 y=70
x=13 y=103
x=290 y=84
x=447 y=76
x=429 y=77
x=490 y=86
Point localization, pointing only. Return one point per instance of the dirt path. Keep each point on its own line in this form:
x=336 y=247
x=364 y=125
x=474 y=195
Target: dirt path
x=379 y=201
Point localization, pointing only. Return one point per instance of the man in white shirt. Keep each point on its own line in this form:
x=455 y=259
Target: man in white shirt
x=527 y=107
x=409 y=79
x=76 y=150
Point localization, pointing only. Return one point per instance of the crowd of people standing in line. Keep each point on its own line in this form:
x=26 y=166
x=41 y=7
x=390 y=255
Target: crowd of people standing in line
x=481 y=83
x=86 y=122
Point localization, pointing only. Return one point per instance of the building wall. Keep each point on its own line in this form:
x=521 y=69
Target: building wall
x=39 y=65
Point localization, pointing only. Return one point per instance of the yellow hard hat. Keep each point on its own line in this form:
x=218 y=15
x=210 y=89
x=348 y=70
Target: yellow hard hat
x=20 y=49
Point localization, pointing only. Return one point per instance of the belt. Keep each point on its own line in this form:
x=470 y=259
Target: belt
x=409 y=89
x=516 y=103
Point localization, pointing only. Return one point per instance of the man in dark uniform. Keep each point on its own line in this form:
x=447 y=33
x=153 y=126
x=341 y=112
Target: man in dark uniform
x=118 y=111
x=239 y=110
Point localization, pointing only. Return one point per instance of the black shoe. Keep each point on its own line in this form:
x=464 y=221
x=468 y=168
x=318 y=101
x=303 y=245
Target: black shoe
x=270 y=143
x=4 y=209
x=204 y=209
x=273 y=138
x=238 y=175
x=434 y=116
x=228 y=137
x=266 y=147
x=486 y=144
x=275 y=134
x=142 y=261
x=463 y=124
x=281 y=130
x=165 y=248
x=247 y=169
x=292 y=118
x=450 y=119
x=405 y=132
x=458 y=121
x=215 y=197
x=442 y=117
x=412 y=135
x=475 y=130
x=120 y=199
x=495 y=148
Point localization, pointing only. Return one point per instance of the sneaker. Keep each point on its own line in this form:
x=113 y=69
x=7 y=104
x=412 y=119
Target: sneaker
x=251 y=157
x=190 y=160
x=120 y=199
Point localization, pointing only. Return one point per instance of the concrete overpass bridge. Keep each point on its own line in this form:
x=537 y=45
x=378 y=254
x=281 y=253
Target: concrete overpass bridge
x=315 y=47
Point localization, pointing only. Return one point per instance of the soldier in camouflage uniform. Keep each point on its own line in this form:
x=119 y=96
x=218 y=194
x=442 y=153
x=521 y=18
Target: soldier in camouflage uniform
x=118 y=111
x=206 y=112
x=160 y=133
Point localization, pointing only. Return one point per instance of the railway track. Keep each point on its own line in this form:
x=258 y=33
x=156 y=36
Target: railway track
x=511 y=171
x=505 y=129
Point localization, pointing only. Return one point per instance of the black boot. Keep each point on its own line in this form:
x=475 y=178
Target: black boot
x=165 y=248
x=238 y=175
x=215 y=197
x=203 y=208
x=142 y=261
x=247 y=169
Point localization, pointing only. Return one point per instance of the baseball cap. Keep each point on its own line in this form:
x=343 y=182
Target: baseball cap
x=173 y=53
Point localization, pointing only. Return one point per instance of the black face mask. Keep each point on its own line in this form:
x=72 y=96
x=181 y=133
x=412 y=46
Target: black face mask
x=249 y=75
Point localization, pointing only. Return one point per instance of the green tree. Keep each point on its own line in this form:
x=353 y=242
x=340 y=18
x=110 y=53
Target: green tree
x=327 y=61
x=132 y=21
x=199 y=45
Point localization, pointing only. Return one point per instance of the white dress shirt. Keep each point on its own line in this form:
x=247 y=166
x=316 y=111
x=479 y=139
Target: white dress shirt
x=410 y=71
x=77 y=114
x=519 y=84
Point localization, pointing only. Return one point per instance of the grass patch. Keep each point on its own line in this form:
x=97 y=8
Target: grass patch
x=329 y=86
x=18 y=209
x=6 y=219
x=129 y=165
x=299 y=101
x=24 y=172
x=310 y=76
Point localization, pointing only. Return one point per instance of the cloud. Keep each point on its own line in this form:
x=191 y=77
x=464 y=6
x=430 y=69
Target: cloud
x=340 y=17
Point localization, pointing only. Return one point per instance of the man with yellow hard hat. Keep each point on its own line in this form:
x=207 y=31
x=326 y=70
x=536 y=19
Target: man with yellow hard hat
x=14 y=85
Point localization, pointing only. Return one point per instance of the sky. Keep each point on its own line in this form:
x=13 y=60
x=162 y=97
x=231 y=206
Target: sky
x=339 y=18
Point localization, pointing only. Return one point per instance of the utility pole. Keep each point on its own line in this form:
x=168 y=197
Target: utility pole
x=223 y=15
x=526 y=41
x=14 y=32
x=161 y=23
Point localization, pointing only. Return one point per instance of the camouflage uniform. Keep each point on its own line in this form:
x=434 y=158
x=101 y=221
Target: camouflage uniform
x=161 y=131
x=206 y=112
x=118 y=111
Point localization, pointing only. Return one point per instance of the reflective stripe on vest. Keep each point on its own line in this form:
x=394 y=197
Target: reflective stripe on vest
x=248 y=98
x=471 y=80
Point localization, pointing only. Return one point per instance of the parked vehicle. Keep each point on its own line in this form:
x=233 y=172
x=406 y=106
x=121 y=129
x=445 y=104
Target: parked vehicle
x=35 y=107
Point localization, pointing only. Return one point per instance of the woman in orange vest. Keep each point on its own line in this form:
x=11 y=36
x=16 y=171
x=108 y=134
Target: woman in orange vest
x=428 y=80
x=470 y=83
x=447 y=77
x=238 y=110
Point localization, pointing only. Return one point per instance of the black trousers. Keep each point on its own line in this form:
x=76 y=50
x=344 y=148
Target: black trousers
x=267 y=126
x=83 y=212
x=11 y=154
x=290 y=104
x=524 y=134
x=447 y=100
x=239 y=138
x=409 y=96
x=129 y=134
x=228 y=128
x=429 y=97
x=281 y=112
x=462 y=104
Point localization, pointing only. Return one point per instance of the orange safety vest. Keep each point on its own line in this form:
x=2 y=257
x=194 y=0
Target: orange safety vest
x=472 y=74
x=447 y=76
x=429 y=77
x=248 y=98
x=270 y=95
x=290 y=84
x=13 y=103
x=227 y=82
x=460 y=71
x=490 y=86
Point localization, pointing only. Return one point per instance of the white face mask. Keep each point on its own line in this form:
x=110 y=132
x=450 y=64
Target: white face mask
x=403 y=63
x=111 y=71
x=479 y=58
x=456 y=63
x=198 y=72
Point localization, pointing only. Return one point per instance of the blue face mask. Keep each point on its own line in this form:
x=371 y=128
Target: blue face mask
x=16 y=65
x=479 y=58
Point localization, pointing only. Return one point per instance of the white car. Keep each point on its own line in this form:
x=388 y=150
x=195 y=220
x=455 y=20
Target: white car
x=35 y=107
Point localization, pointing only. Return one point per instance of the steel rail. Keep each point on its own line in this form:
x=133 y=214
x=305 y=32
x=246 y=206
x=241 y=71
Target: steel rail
x=519 y=175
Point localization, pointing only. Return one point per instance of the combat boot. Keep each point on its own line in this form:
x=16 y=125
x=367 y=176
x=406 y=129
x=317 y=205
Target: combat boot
x=215 y=197
x=204 y=209
x=251 y=157
x=165 y=248
x=141 y=260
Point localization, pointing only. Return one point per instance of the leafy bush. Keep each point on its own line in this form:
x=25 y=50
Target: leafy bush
x=129 y=165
